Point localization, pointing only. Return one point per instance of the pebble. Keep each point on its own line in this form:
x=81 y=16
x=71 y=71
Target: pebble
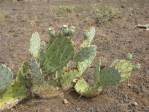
x=65 y=101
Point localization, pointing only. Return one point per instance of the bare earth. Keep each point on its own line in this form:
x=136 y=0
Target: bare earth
x=114 y=40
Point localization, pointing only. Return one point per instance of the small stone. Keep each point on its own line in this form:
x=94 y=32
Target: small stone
x=129 y=85
x=135 y=103
x=65 y=101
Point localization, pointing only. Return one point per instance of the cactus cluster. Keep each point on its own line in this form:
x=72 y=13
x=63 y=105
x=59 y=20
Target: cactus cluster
x=53 y=57
x=119 y=71
x=49 y=63
x=83 y=59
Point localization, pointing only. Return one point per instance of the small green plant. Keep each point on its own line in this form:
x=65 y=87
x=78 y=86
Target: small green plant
x=49 y=66
x=104 y=14
x=69 y=10
x=64 y=10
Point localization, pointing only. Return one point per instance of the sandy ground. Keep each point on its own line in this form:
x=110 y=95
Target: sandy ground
x=114 y=40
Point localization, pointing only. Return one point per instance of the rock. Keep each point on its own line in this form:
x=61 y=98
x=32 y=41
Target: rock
x=65 y=101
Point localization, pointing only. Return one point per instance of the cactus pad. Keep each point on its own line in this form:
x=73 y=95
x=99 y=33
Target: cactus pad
x=6 y=77
x=58 y=54
x=85 y=58
x=35 y=45
x=68 y=77
x=17 y=91
x=125 y=68
x=88 y=37
x=84 y=89
x=36 y=72
x=85 y=53
x=108 y=77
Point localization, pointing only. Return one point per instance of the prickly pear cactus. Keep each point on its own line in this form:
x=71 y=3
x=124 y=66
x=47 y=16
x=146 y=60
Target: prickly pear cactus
x=42 y=53
x=88 y=37
x=36 y=72
x=125 y=68
x=37 y=78
x=35 y=45
x=68 y=77
x=129 y=56
x=17 y=90
x=84 y=89
x=102 y=78
x=58 y=54
x=108 y=77
x=82 y=86
x=85 y=53
x=68 y=30
x=45 y=90
x=6 y=77
x=85 y=58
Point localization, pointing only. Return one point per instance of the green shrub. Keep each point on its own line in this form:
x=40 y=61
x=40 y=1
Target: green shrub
x=105 y=14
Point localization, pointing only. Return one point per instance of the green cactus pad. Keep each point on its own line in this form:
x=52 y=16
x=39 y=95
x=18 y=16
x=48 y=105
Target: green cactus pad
x=97 y=75
x=88 y=37
x=45 y=90
x=85 y=58
x=125 y=68
x=58 y=54
x=85 y=53
x=129 y=56
x=84 y=89
x=36 y=73
x=17 y=91
x=103 y=78
x=108 y=77
x=6 y=77
x=35 y=45
x=68 y=77
x=42 y=52
x=81 y=86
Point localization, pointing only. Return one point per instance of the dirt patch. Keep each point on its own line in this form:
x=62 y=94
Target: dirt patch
x=114 y=40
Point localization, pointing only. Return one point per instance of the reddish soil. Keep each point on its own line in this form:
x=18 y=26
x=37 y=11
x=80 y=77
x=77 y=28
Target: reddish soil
x=114 y=40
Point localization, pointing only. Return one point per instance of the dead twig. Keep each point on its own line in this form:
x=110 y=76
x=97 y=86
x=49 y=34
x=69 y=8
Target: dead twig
x=145 y=27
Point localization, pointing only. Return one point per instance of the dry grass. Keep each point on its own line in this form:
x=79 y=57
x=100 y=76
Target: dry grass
x=2 y=16
x=102 y=14
x=105 y=14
